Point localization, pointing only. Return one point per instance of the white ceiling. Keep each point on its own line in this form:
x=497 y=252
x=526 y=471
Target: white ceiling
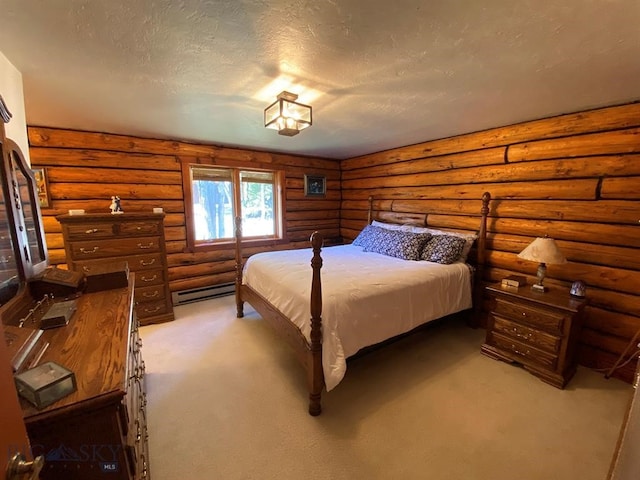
x=378 y=73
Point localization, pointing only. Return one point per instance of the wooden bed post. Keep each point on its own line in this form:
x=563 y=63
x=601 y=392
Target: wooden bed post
x=370 y=214
x=481 y=259
x=239 y=302
x=315 y=376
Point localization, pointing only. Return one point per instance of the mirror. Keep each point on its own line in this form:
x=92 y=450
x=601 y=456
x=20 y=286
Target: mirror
x=28 y=223
x=9 y=274
x=23 y=251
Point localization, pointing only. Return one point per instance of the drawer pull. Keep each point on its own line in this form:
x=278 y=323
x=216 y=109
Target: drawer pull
x=146 y=264
x=521 y=335
x=152 y=310
x=91 y=230
x=85 y=250
x=145 y=279
x=145 y=247
x=515 y=350
x=151 y=295
x=524 y=314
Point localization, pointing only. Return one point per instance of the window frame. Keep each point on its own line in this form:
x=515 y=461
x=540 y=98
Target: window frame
x=279 y=207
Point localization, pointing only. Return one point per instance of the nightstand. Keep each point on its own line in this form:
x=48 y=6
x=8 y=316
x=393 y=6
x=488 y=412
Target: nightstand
x=539 y=331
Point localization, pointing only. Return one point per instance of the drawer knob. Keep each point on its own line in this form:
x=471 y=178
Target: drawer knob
x=146 y=264
x=91 y=230
x=151 y=295
x=148 y=279
x=86 y=250
x=152 y=310
x=145 y=247
x=524 y=314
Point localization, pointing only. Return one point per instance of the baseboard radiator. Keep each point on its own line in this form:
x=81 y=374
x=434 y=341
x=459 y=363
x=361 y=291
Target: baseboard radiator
x=205 y=293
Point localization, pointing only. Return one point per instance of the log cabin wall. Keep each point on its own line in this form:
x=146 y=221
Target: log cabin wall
x=574 y=177
x=84 y=169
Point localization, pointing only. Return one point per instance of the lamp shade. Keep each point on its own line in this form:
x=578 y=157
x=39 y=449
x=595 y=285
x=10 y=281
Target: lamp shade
x=543 y=250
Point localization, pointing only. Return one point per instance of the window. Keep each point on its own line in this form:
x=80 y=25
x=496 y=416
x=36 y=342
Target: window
x=219 y=195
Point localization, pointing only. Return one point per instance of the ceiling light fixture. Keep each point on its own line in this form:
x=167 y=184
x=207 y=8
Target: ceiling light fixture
x=287 y=116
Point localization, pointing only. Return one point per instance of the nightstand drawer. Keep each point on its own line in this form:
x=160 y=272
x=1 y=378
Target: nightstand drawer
x=523 y=333
x=537 y=317
x=522 y=352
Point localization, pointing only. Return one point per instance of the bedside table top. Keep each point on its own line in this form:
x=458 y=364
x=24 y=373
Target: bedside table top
x=555 y=297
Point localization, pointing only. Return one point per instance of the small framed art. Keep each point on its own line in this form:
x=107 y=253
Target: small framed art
x=315 y=186
x=42 y=187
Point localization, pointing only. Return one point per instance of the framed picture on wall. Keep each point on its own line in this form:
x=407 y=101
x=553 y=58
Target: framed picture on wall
x=42 y=186
x=315 y=186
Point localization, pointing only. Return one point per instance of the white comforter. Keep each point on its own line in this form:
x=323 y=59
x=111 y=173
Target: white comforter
x=367 y=297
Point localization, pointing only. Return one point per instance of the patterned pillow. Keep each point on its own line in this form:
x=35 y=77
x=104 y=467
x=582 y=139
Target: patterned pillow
x=443 y=249
x=365 y=237
x=395 y=243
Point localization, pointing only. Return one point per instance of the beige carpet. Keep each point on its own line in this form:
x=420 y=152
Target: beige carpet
x=227 y=400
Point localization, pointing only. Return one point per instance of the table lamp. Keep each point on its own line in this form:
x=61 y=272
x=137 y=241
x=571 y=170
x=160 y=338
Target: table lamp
x=545 y=251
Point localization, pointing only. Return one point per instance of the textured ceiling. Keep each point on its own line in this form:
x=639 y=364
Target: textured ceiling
x=379 y=73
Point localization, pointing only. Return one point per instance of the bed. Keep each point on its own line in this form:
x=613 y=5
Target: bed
x=357 y=295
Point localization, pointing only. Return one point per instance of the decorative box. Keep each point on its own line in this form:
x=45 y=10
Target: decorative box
x=58 y=314
x=45 y=384
x=106 y=276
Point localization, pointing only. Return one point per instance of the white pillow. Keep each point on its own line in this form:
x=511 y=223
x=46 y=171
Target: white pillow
x=388 y=226
x=403 y=228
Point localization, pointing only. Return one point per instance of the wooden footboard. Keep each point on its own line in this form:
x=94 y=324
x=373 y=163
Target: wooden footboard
x=309 y=352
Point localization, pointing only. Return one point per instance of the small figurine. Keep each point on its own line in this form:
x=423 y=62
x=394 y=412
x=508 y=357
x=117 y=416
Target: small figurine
x=115 y=205
x=578 y=289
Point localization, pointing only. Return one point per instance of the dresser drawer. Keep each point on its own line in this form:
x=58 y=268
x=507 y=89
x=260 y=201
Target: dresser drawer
x=147 y=294
x=90 y=230
x=526 y=334
x=139 y=228
x=147 y=278
x=112 y=248
x=521 y=352
x=136 y=263
x=549 y=320
x=149 y=309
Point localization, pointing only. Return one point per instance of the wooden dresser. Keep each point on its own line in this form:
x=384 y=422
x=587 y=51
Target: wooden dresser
x=138 y=239
x=99 y=431
x=537 y=330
